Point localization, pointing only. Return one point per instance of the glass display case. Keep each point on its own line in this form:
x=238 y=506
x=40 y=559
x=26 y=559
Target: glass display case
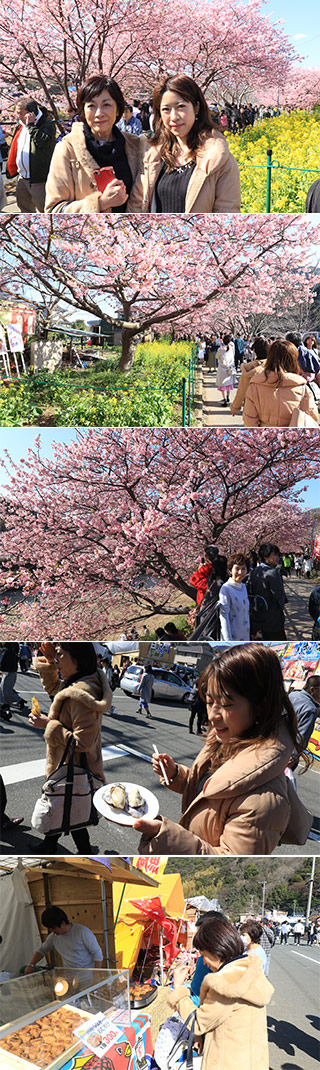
x=39 y=1013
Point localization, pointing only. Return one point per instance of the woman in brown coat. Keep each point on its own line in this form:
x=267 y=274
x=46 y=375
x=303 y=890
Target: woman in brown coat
x=248 y=370
x=278 y=392
x=81 y=694
x=94 y=143
x=236 y=799
x=188 y=166
x=232 y=1017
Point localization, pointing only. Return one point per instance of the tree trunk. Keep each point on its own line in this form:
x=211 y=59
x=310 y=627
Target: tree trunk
x=127 y=351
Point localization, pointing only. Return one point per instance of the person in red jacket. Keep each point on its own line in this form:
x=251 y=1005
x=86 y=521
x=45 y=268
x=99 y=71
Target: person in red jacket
x=199 y=579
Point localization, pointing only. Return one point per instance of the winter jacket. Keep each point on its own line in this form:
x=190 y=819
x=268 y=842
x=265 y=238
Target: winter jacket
x=226 y=367
x=307 y=711
x=214 y=184
x=9 y=657
x=232 y=1015
x=309 y=363
x=268 y=583
x=146 y=686
x=71 y=185
x=42 y=143
x=234 y=611
x=247 y=806
x=12 y=169
x=199 y=579
x=76 y=710
x=314 y=603
x=270 y=405
x=247 y=372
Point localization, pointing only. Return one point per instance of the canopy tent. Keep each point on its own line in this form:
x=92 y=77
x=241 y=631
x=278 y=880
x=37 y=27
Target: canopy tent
x=130 y=925
x=203 y=904
x=81 y=886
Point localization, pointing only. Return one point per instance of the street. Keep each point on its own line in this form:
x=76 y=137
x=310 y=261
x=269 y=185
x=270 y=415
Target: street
x=127 y=740
x=293 y=1012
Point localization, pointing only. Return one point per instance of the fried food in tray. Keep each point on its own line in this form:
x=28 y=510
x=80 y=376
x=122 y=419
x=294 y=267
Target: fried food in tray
x=45 y=1039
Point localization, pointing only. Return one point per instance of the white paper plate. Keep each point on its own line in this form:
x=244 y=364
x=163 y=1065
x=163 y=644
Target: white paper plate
x=121 y=817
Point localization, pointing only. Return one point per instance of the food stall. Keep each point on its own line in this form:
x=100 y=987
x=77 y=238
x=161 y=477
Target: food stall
x=300 y=660
x=43 y=1015
x=41 y=1012
x=150 y=930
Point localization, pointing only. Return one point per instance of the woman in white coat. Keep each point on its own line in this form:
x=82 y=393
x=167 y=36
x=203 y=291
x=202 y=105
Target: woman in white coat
x=226 y=367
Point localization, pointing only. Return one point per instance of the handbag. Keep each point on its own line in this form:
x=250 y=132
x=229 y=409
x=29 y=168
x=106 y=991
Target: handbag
x=301 y=419
x=300 y=821
x=170 y=1056
x=66 y=802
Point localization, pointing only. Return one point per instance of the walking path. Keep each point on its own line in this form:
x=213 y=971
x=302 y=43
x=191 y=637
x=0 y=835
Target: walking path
x=214 y=414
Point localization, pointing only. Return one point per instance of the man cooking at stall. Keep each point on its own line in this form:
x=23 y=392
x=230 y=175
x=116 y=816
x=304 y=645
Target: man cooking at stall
x=76 y=944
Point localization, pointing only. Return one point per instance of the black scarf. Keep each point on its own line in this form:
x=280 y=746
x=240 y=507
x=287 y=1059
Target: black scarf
x=111 y=154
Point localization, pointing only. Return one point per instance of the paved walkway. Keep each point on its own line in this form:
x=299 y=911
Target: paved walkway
x=213 y=413
x=298 y=622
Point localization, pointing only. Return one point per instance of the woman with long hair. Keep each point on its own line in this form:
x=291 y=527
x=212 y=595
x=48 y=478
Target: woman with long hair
x=231 y=1020
x=76 y=180
x=236 y=798
x=278 y=395
x=80 y=695
x=188 y=166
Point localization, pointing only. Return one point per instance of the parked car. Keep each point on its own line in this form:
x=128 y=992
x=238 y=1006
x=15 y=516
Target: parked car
x=167 y=684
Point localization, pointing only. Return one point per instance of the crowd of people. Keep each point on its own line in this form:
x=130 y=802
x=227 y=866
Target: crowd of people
x=169 y=155
x=243 y=596
x=279 y=383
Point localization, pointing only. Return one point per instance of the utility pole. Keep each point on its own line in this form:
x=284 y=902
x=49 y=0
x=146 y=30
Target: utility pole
x=313 y=866
x=251 y=905
x=263 y=896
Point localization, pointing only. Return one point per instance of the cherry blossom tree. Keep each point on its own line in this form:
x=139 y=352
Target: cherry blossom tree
x=300 y=89
x=111 y=529
x=51 y=48
x=191 y=272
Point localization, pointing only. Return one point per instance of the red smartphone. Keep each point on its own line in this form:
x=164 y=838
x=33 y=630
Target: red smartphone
x=103 y=176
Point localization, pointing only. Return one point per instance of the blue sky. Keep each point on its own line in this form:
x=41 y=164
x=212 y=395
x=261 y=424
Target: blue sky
x=302 y=25
x=17 y=441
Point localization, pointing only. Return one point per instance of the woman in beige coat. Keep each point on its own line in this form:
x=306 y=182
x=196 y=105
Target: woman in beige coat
x=277 y=393
x=188 y=166
x=248 y=370
x=81 y=694
x=236 y=798
x=95 y=143
x=231 y=1021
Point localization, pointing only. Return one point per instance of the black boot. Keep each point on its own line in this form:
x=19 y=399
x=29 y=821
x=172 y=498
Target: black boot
x=5 y=713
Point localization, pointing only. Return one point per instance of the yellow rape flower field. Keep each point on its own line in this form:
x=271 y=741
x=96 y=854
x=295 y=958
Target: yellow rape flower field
x=295 y=142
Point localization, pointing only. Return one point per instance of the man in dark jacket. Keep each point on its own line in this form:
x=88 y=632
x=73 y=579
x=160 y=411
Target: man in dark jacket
x=266 y=591
x=8 y=666
x=314 y=610
x=306 y=703
x=35 y=145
